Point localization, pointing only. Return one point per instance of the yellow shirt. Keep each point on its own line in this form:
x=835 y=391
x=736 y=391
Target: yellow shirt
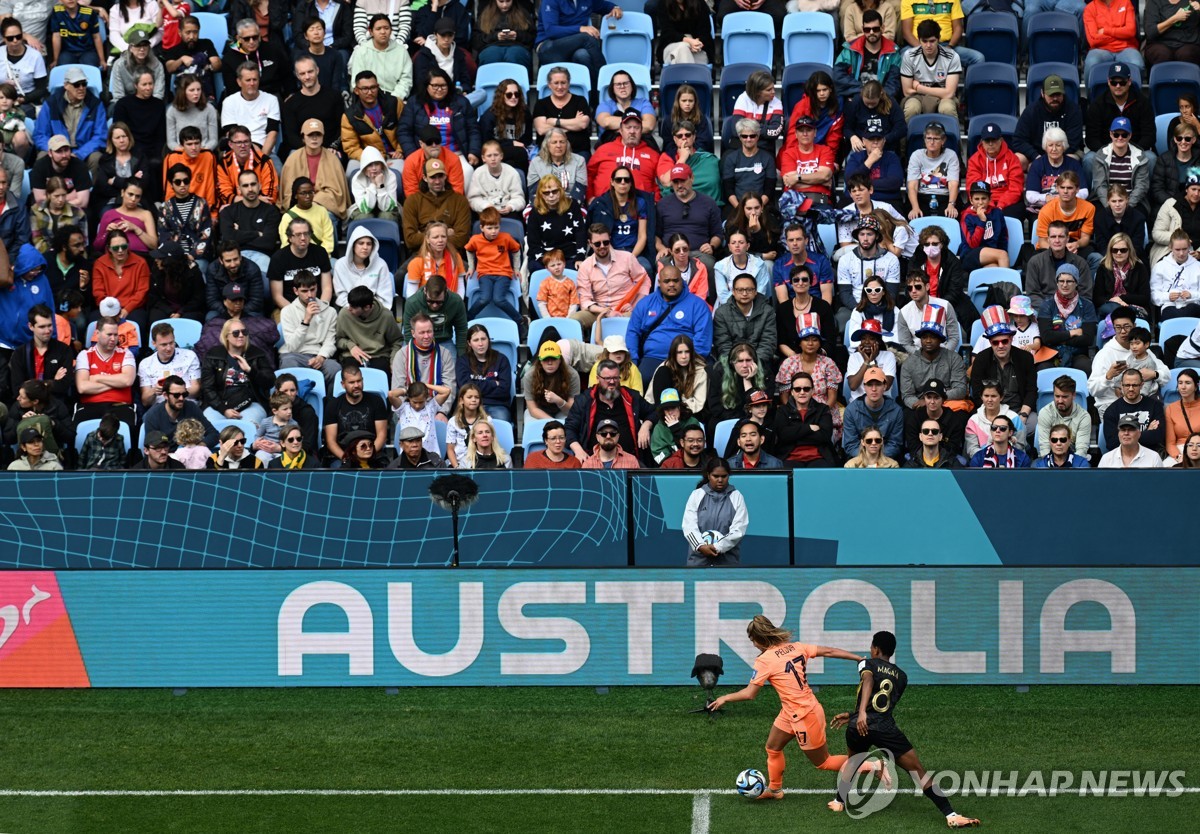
x=942 y=11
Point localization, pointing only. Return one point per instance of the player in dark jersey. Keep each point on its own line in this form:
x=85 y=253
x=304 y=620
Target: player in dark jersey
x=880 y=686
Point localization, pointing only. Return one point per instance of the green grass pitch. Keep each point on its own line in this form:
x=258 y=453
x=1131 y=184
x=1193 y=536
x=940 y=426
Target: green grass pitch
x=441 y=743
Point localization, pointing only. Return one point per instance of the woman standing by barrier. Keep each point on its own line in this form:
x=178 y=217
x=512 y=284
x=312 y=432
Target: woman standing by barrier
x=715 y=519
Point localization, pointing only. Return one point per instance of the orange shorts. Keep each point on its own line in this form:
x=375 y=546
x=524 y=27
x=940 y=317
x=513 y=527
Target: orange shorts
x=808 y=729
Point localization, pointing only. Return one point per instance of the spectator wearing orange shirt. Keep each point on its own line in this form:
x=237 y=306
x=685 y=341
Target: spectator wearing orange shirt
x=1078 y=215
x=493 y=250
x=430 y=142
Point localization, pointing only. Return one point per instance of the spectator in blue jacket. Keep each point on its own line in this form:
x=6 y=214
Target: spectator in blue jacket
x=848 y=67
x=21 y=288
x=661 y=316
x=565 y=33
x=91 y=130
x=877 y=410
x=874 y=107
x=883 y=166
x=14 y=220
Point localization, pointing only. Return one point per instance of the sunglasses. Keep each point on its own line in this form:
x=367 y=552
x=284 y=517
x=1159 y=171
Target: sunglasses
x=550 y=192
x=600 y=243
x=1001 y=428
x=873 y=441
x=606 y=434
x=931 y=432
x=867 y=30
x=248 y=38
x=799 y=388
x=237 y=332
x=512 y=95
x=1060 y=439
x=1118 y=82
x=1119 y=134
x=622 y=179
x=118 y=247
x=180 y=182
x=1185 y=138
x=749 y=135
x=1001 y=342
x=11 y=38
x=77 y=84
x=293 y=439
x=683 y=134
x=240 y=442
x=873 y=290
x=1121 y=249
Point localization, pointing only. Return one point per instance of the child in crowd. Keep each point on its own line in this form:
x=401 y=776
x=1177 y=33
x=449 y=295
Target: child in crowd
x=466 y=414
x=189 y=441
x=984 y=232
x=557 y=297
x=416 y=410
x=493 y=250
x=758 y=407
x=69 y=318
x=1140 y=358
x=674 y=418
x=12 y=121
x=268 y=444
x=103 y=448
x=1024 y=317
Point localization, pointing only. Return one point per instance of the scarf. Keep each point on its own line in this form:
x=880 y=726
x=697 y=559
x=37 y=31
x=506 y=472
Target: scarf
x=992 y=461
x=1065 y=308
x=447 y=267
x=886 y=317
x=435 y=363
x=296 y=461
x=1119 y=273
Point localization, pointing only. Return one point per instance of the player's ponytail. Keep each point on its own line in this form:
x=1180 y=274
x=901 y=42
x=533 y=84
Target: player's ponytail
x=764 y=633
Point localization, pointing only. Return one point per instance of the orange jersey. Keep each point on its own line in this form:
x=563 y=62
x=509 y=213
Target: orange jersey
x=785 y=667
x=493 y=257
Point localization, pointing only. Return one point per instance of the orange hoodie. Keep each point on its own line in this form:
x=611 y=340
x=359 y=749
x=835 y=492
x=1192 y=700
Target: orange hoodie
x=1111 y=25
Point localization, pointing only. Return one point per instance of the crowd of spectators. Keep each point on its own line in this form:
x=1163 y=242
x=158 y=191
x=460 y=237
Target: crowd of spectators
x=185 y=268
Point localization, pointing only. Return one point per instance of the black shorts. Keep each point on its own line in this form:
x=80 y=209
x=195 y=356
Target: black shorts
x=886 y=737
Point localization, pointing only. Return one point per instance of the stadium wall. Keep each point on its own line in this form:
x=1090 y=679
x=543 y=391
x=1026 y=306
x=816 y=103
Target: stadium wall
x=575 y=627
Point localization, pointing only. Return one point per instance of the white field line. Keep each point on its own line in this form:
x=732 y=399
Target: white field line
x=698 y=792
x=701 y=807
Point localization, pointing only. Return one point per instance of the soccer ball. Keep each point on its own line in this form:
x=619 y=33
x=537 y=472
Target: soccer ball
x=751 y=784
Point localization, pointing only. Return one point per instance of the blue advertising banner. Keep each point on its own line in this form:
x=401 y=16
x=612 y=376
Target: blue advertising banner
x=583 y=627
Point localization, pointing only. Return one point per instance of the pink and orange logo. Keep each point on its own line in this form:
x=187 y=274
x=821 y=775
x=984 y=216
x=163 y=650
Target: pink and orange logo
x=37 y=643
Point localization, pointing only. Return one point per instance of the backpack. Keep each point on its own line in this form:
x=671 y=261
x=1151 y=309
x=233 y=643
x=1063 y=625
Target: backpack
x=1000 y=293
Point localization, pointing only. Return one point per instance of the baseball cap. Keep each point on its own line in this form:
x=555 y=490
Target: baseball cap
x=805 y=121
x=757 y=396
x=991 y=130
x=167 y=249
x=444 y=26
x=874 y=131
x=156 y=439
x=681 y=172
x=549 y=350
x=615 y=342
x=875 y=375
x=137 y=36
x=430 y=135
x=58 y=141
x=1121 y=123
x=74 y=75
x=1118 y=70
x=669 y=396
x=1128 y=420
x=312 y=126
x=1054 y=86
x=110 y=307
x=632 y=114
x=980 y=187
x=410 y=433
x=607 y=424
x=933 y=386
x=29 y=435
x=234 y=292
x=434 y=166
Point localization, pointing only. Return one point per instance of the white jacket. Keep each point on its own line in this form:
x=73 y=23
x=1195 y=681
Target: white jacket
x=1169 y=276
x=314 y=339
x=375 y=275
x=506 y=190
x=368 y=196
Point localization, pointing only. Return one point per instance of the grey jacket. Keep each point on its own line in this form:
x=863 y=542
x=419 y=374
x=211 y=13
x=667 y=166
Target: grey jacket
x=946 y=366
x=731 y=327
x=1143 y=165
x=1041 y=278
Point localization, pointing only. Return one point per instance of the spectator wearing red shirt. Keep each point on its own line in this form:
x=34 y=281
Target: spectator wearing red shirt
x=1111 y=27
x=628 y=151
x=808 y=167
x=995 y=163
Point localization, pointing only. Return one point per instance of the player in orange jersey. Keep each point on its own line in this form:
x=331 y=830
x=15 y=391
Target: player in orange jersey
x=784 y=664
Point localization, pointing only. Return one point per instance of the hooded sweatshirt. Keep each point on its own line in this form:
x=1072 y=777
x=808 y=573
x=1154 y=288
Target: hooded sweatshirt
x=722 y=512
x=1003 y=173
x=378 y=335
x=375 y=275
x=26 y=291
x=854 y=268
x=367 y=197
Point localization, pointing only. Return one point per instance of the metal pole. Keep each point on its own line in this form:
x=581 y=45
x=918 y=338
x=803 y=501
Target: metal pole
x=454 y=518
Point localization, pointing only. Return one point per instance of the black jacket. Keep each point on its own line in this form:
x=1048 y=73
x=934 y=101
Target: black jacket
x=917 y=461
x=514 y=156
x=343 y=22
x=58 y=355
x=464 y=123
x=186 y=298
x=1103 y=110
x=792 y=430
x=213 y=370
x=1137 y=287
x=952 y=285
x=985 y=366
x=954 y=429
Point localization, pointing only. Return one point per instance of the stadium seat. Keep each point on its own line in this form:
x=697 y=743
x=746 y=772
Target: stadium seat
x=950 y=227
x=1045 y=386
x=995 y=34
x=628 y=40
x=488 y=78
x=992 y=88
x=88 y=426
x=1053 y=36
x=248 y=428
x=581 y=79
x=505 y=339
x=387 y=232
x=91 y=331
x=187 y=331
x=1175 y=327
x=316 y=396
x=808 y=36
x=977 y=283
x=916 y=131
x=1007 y=125
x=567 y=329
x=616 y=326
x=439 y=429
x=1038 y=73
x=733 y=82
x=490 y=310
x=795 y=76
x=698 y=76
x=628 y=6
x=827 y=232
x=512 y=225
x=215 y=28
x=505 y=437
x=94 y=81
x=721 y=434
x=1161 y=123
x=1170 y=391
x=374 y=380
x=531 y=435
x=535 y=283
x=1016 y=238
x=976 y=333
x=1169 y=80
x=1097 y=80
x=747 y=36
x=639 y=72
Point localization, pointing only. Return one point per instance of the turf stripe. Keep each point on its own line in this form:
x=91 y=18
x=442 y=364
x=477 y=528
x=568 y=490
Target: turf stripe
x=701 y=807
x=478 y=792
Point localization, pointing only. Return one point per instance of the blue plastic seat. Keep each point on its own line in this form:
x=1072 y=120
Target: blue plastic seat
x=640 y=73
x=747 y=36
x=213 y=27
x=581 y=79
x=187 y=331
x=567 y=329
x=733 y=83
x=247 y=427
x=531 y=435
x=505 y=437
x=1176 y=327
x=316 y=396
x=88 y=426
x=1016 y=238
x=387 y=232
x=91 y=331
x=505 y=339
x=977 y=283
x=1045 y=386
x=917 y=125
x=721 y=434
x=1097 y=80
x=808 y=36
x=827 y=232
x=1162 y=138
x=1053 y=36
x=374 y=380
x=698 y=76
x=1038 y=73
x=1006 y=123
x=628 y=40
x=1169 y=80
x=535 y=283
x=995 y=34
x=795 y=76
x=94 y=81
x=616 y=326
x=489 y=76
x=992 y=88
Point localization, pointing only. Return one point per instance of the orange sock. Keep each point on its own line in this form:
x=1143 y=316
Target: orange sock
x=775 y=766
x=833 y=763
